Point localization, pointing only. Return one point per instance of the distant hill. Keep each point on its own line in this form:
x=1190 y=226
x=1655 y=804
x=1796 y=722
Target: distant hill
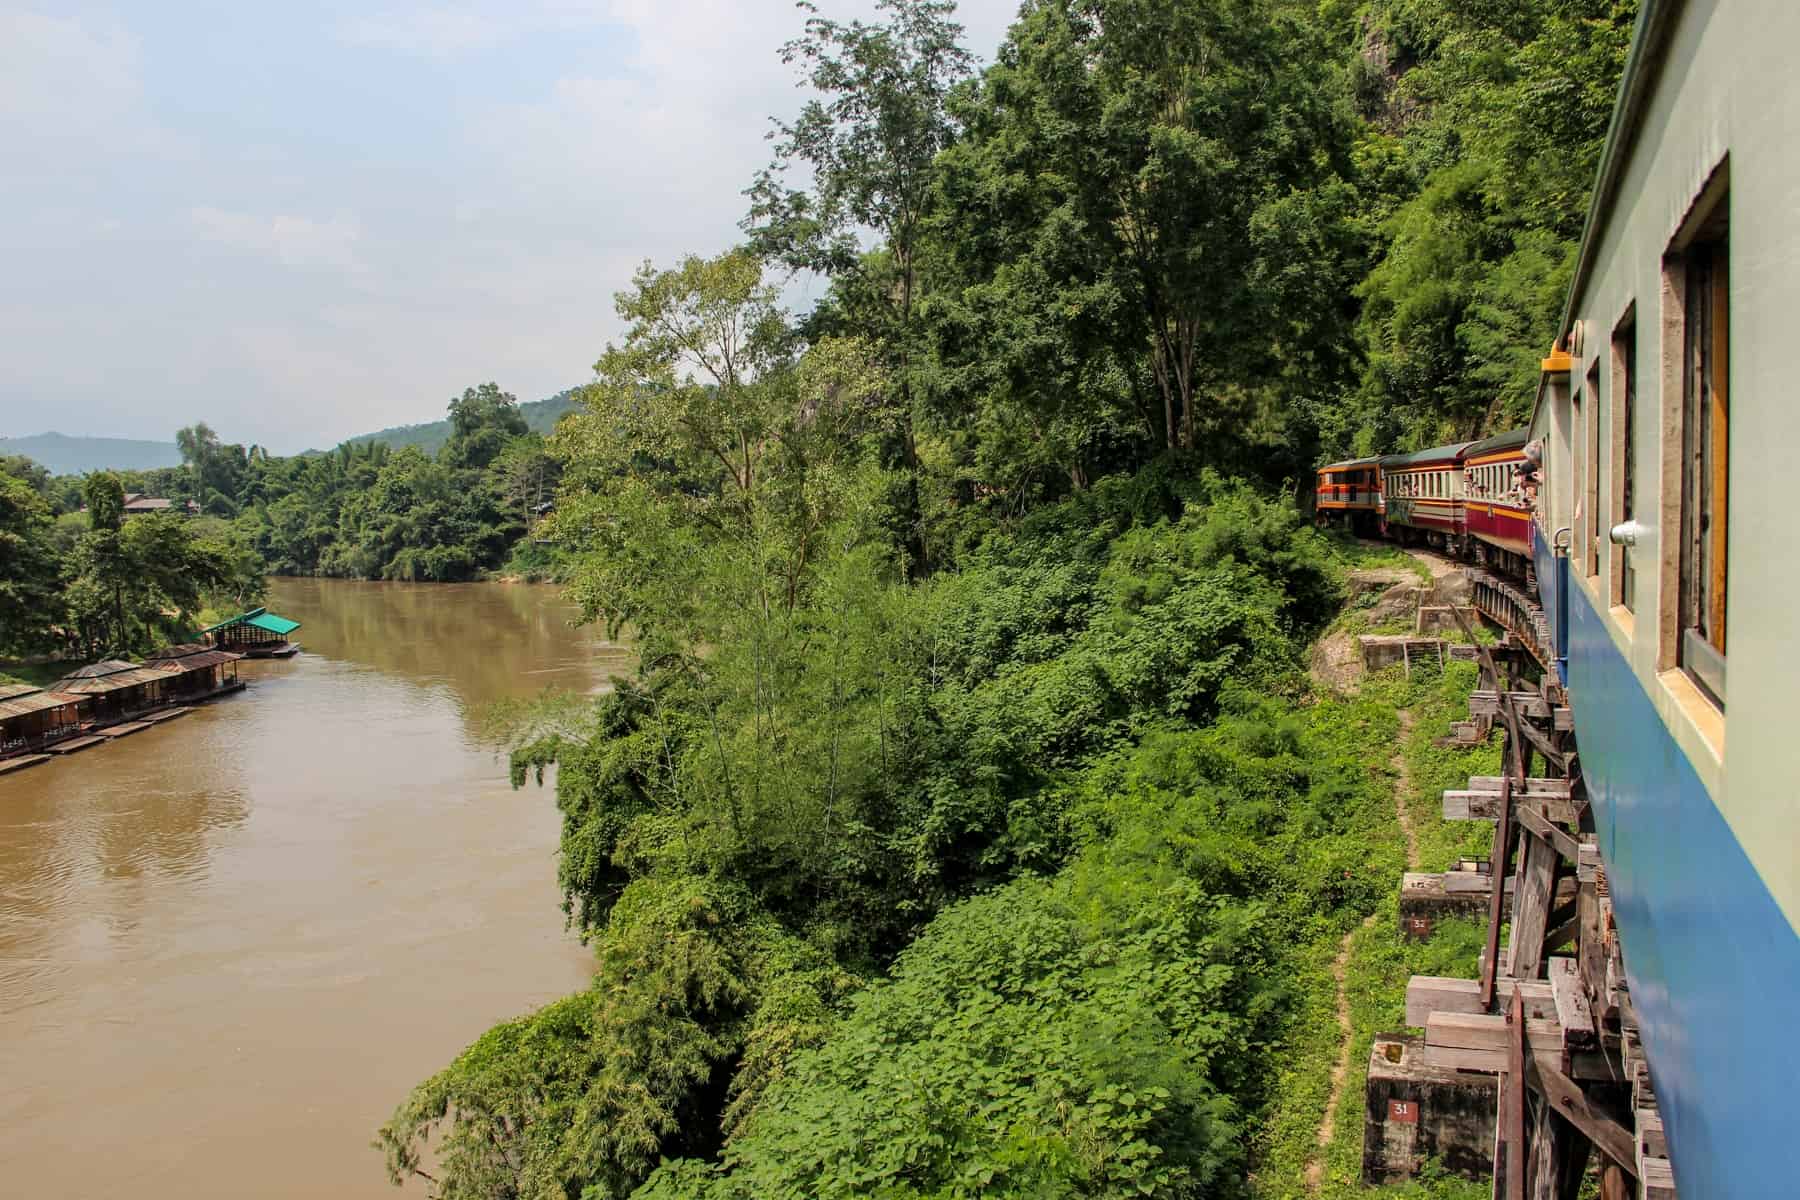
x=64 y=455
x=540 y=415
x=61 y=454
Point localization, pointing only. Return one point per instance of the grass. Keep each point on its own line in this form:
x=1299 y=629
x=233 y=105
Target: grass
x=38 y=675
x=1379 y=963
x=1436 y=700
x=1359 y=555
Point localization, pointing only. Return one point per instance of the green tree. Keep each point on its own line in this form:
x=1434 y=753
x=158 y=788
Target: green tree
x=215 y=474
x=1486 y=180
x=869 y=142
x=141 y=582
x=30 y=571
x=482 y=421
x=1127 y=156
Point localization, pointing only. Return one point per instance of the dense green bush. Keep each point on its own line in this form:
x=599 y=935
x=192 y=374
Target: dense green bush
x=1103 y=1030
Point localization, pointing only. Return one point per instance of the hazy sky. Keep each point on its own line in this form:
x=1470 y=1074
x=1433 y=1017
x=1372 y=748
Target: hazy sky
x=300 y=222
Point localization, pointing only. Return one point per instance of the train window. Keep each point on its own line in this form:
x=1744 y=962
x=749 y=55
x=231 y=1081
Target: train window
x=1624 y=460
x=1596 y=411
x=1577 y=471
x=1703 y=459
x=1697 y=285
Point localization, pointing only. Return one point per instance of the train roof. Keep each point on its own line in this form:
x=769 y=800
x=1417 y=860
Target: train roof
x=1350 y=462
x=1511 y=440
x=1447 y=453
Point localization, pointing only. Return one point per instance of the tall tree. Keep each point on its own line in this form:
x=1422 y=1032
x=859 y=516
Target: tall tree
x=142 y=581
x=482 y=420
x=30 y=573
x=1128 y=154
x=869 y=141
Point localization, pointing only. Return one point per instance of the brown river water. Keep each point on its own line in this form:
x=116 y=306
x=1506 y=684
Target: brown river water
x=230 y=944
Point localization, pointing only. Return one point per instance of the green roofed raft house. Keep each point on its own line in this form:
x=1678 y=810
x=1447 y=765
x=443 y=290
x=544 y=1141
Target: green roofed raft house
x=258 y=633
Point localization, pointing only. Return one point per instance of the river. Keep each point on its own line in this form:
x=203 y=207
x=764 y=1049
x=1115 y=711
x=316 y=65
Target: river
x=230 y=944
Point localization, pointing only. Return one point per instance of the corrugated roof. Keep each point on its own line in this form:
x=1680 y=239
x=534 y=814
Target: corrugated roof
x=9 y=690
x=274 y=624
x=261 y=618
x=191 y=656
x=118 y=681
x=36 y=701
x=101 y=669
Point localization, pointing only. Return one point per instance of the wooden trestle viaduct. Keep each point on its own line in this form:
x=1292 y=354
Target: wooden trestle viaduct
x=1539 y=1059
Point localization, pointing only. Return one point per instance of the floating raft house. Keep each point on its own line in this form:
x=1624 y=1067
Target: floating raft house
x=29 y=714
x=112 y=688
x=196 y=670
x=258 y=633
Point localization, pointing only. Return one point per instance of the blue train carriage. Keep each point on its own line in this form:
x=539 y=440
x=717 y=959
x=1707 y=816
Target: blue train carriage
x=1664 y=545
x=1422 y=497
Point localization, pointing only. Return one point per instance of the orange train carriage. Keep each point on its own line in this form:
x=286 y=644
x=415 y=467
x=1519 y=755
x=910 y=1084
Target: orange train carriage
x=1351 y=492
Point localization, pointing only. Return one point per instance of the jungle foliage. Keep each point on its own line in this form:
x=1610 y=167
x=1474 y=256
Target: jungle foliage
x=367 y=510
x=969 y=825
x=95 y=583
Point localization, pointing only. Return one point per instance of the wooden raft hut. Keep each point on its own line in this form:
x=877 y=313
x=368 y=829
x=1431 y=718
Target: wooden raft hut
x=258 y=633
x=114 y=690
x=196 y=671
x=31 y=717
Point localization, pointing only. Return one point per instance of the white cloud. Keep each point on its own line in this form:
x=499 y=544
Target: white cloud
x=452 y=30
x=63 y=75
x=293 y=241
x=438 y=32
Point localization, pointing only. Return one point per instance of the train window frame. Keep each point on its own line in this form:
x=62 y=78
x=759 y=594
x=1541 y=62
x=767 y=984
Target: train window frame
x=1577 y=479
x=1621 y=572
x=1694 y=549
x=1596 y=412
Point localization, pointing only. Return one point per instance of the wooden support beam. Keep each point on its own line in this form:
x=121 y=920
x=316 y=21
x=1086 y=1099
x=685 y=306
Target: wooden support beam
x=1561 y=840
x=1590 y=948
x=1486 y=1031
x=1540 y=741
x=1478 y=1042
x=1590 y=1066
x=1559 y=1153
x=1426 y=994
x=1564 y=931
x=1512 y=1105
x=1589 y=867
x=1573 y=1012
x=1496 y=896
x=1531 y=908
x=1656 y=1180
x=1476 y=805
x=1538 y=788
x=1486 y=702
x=1608 y=1136
x=1617 y=992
